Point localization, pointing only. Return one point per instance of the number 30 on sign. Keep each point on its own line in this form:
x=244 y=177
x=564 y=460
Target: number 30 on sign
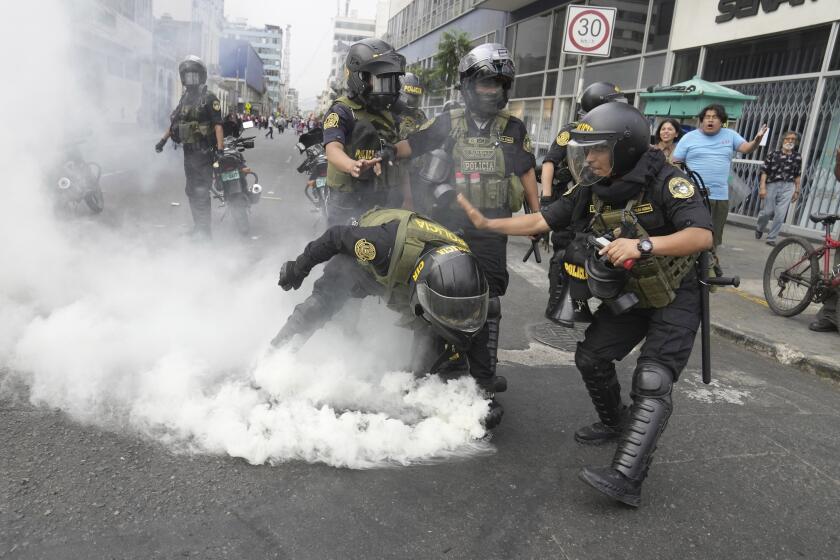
x=589 y=30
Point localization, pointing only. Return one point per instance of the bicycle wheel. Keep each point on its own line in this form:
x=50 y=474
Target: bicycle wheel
x=791 y=272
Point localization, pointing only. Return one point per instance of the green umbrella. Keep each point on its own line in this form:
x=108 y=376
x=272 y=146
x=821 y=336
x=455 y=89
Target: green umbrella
x=686 y=99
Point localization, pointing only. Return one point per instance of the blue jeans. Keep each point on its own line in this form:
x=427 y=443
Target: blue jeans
x=776 y=205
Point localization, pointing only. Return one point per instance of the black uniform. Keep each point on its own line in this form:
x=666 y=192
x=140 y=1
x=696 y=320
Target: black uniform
x=201 y=107
x=490 y=248
x=344 y=279
x=669 y=331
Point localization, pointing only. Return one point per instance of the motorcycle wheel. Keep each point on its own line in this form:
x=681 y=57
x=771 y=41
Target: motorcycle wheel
x=95 y=200
x=239 y=207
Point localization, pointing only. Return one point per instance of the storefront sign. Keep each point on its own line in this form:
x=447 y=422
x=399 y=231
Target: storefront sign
x=730 y=9
x=589 y=30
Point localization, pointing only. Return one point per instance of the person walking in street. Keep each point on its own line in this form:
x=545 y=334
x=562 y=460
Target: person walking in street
x=779 y=185
x=707 y=151
x=270 y=126
x=826 y=320
x=197 y=125
x=644 y=210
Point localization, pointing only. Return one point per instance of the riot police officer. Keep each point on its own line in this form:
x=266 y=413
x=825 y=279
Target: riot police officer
x=492 y=166
x=410 y=118
x=197 y=124
x=554 y=178
x=658 y=223
x=355 y=129
x=421 y=269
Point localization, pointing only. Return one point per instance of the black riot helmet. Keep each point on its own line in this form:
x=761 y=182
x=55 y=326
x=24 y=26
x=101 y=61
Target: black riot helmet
x=489 y=65
x=599 y=93
x=607 y=142
x=450 y=292
x=412 y=90
x=373 y=69
x=193 y=72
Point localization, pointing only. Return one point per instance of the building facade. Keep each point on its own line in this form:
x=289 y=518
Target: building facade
x=788 y=57
x=243 y=72
x=268 y=42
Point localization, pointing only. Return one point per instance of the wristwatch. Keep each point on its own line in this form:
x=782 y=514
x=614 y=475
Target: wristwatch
x=645 y=247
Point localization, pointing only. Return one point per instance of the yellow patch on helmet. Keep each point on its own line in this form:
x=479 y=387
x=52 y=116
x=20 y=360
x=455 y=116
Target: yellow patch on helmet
x=331 y=121
x=584 y=127
x=680 y=187
x=413 y=90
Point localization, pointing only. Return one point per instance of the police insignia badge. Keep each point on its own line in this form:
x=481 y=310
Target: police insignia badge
x=563 y=138
x=365 y=250
x=331 y=121
x=526 y=143
x=426 y=124
x=216 y=105
x=681 y=187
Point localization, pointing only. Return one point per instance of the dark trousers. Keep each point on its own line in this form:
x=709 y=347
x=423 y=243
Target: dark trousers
x=198 y=168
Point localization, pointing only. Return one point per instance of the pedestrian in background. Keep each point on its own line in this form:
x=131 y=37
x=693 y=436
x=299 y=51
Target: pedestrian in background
x=668 y=134
x=779 y=186
x=270 y=126
x=708 y=152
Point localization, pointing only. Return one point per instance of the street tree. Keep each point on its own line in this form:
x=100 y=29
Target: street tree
x=453 y=46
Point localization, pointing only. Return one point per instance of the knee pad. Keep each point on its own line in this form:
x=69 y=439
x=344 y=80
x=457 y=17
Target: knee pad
x=494 y=308
x=652 y=379
x=592 y=365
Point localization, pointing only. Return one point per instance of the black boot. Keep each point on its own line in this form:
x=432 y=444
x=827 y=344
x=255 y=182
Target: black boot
x=622 y=481
x=604 y=390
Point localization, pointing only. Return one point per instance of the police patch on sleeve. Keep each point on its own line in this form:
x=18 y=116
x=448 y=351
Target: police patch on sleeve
x=563 y=138
x=681 y=187
x=365 y=250
x=526 y=143
x=331 y=121
x=216 y=105
x=426 y=124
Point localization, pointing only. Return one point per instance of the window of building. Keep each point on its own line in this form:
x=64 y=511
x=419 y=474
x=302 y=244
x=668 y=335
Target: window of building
x=550 y=84
x=555 y=52
x=630 y=20
x=652 y=70
x=530 y=47
x=659 y=27
x=798 y=52
x=569 y=82
x=527 y=86
x=835 y=60
x=623 y=74
x=685 y=65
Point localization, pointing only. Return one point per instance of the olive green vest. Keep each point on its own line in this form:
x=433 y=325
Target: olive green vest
x=411 y=122
x=481 y=160
x=652 y=279
x=413 y=234
x=364 y=143
x=191 y=129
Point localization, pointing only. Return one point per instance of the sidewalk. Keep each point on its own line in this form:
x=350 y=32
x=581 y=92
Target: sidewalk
x=741 y=314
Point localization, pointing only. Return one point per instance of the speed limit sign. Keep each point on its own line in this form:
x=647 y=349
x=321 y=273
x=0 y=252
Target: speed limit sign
x=589 y=30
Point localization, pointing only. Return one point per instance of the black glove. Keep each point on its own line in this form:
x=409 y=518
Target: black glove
x=290 y=279
x=545 y=202
x=159 y=146
x=217 y=154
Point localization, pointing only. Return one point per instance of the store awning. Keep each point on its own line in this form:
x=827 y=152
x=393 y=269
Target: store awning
x=686 y=99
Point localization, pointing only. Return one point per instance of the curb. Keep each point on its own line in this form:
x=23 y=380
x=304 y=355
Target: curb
x=780 y=352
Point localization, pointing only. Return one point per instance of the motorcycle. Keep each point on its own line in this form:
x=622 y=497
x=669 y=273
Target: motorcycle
x=315 y=165
x=78 y=180
x=234 y=184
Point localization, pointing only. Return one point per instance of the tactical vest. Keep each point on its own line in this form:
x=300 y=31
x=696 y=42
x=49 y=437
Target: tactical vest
x=413 y=234
x=191 y=126
x=411 y=122
x=652 y=279
x=365 y=146
x=481 y=160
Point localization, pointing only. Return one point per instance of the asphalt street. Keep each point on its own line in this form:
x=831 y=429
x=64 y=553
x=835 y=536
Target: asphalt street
x=749 y=466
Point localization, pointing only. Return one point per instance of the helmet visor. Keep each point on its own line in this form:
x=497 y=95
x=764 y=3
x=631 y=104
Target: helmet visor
x=590 y=160
x=192 y=79
x=465 y=314
x=386 y=84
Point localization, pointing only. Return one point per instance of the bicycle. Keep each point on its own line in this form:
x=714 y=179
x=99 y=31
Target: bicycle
x=793 y=278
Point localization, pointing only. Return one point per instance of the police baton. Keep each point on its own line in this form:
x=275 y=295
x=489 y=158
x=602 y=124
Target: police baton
x=535 y=244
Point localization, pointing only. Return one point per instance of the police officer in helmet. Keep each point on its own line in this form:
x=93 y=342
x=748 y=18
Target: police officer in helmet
x=418 y=267
x=410 y=118
x=355 y=128
x=492 y=165
x=555 y=178
x=197 y=124
x=658 y=223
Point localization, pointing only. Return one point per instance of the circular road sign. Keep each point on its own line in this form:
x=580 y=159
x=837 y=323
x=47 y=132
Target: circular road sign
x=588 y=30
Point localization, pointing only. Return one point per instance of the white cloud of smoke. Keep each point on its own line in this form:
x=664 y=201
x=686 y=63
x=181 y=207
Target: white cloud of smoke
x=170 y=340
